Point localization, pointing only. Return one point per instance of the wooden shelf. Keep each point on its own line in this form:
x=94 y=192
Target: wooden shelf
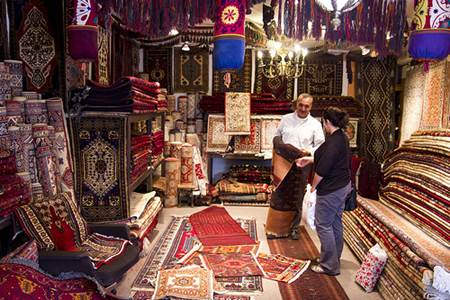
x=133 y=117
x=140 y=179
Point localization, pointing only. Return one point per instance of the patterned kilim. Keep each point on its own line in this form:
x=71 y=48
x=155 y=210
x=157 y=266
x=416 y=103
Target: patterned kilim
x=282 y=268
x=376 y=92
x=237 y=113
x=24 y=282
x=158 y=65
x=100 y=153
x=177 y=240
x=232 y=264
x=147 y=295
x=250 y=143
x=435 y=100
x=188 y=283
x=269 y=125
x=103 y=61
x=322 y=75
x=217 y=140
x=190 y=70
x=312 y=285
x=240 y=80
x=281 y=87
x=36 y=47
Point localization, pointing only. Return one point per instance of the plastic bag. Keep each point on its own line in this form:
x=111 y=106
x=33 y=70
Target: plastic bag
x=371 y=268
x=309 y=205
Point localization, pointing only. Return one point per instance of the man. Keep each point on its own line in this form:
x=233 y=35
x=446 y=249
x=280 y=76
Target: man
x=299 y=134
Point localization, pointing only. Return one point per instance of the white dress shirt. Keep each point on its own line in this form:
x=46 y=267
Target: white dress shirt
x=303 y=133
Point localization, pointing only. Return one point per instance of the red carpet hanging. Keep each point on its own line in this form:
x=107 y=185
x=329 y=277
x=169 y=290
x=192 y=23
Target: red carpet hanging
x=229 y=36
x=36 y=47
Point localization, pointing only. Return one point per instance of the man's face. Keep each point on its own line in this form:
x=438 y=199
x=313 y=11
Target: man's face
x=304 y=106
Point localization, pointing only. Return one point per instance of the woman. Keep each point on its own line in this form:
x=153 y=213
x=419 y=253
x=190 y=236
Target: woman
x=332 y=182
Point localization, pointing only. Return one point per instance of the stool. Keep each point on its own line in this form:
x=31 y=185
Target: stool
x=186 y=188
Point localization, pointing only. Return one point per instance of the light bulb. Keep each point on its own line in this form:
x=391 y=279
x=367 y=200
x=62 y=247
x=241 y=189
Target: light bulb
x=272 y=53
x=277 y=45
x=173 y=31
x=297 y=48
x=260 y=54
x=304 y=52
x=185 y=47
x=290 y=54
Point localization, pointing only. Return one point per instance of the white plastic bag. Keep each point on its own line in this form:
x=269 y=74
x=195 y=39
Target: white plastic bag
x=371 y=268
x=309 y=206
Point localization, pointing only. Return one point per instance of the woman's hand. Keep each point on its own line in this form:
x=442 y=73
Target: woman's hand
x=304 y=161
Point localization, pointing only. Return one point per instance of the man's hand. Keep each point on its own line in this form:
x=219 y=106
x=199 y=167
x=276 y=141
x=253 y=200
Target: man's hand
x=304 y=161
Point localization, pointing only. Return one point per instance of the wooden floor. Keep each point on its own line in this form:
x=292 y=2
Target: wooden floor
x=349 y=263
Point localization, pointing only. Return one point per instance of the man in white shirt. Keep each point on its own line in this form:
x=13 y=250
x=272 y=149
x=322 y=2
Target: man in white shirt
x=305 y=133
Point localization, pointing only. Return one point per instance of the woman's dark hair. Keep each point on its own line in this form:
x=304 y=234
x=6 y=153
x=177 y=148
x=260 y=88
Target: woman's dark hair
x=337 y=116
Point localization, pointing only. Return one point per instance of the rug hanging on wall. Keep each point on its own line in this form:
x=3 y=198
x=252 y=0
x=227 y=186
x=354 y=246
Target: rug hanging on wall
x=237 y=113
x=322 y=75
x=100 y=152
x=281 y=87
x=36 y=47
x=190 y=70
x=102 y=65
x=237 y=80
x=435 y=110
x=376 y=92
x=158 y=65
x=217 y=140
x=250 y=143
x=412 y=102
x=269 y=125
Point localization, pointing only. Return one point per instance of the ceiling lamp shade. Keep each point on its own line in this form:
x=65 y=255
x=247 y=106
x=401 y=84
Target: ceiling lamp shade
x=431 y=38
x=82 y=33
x=229 y=35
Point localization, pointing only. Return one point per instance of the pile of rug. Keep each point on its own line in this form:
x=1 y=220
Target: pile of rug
x=128 y=94
x=211 y=247
x=141 y=152
x=417 y=180
x=412 y=254
x=260 y=104
x=245 y=185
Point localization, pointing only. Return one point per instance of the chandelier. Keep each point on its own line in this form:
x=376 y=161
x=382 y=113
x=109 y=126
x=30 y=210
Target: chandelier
x=282 y=61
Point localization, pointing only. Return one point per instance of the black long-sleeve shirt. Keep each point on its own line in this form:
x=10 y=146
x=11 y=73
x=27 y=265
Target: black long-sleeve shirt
x=331 y=162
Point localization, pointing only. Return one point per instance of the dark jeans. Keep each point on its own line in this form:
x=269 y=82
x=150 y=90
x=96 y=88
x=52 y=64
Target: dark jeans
x=328 y=221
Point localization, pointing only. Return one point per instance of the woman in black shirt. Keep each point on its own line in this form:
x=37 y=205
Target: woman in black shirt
x=332 y=182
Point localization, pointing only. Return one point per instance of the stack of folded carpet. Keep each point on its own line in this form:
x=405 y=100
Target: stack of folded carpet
x=163 y=103
x=144 y=210
x=417 y=181
x=260 y=104
x=128 y=94
x=410 y=222
x=157 y=144
x=245 y=185
x=141 y=152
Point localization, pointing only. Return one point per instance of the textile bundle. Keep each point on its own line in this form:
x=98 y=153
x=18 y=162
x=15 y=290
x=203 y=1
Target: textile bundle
x=172 y=180
x=416 y=178
x=82 y=34
x=141 y=152
x=411 y=252
x=128 y=94
x=260 y=104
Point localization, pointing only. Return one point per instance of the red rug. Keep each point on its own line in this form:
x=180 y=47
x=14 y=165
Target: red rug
x=215 y=227
x=232 y=265
x=311 y=285
x=24 y=282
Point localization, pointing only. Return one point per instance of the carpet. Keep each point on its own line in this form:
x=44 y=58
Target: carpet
x=231 y=264
x=100 y=152
x=240 y=80
x=216 y=140
x=376 y=92
x=103 y=61
x=237 y=113
x=322 y=75
x=158 y=65
x=190 y=70
x=250 y=143
x=281 y=268
x=312 y=285
x=280 y=87
x=177 y=240
x=269 y=125
x=36 y=47
x=215 y=227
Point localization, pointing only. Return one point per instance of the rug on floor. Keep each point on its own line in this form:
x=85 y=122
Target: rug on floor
x=282 y=268
x=177 y=239
x=311 y=285
x=147 y=295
